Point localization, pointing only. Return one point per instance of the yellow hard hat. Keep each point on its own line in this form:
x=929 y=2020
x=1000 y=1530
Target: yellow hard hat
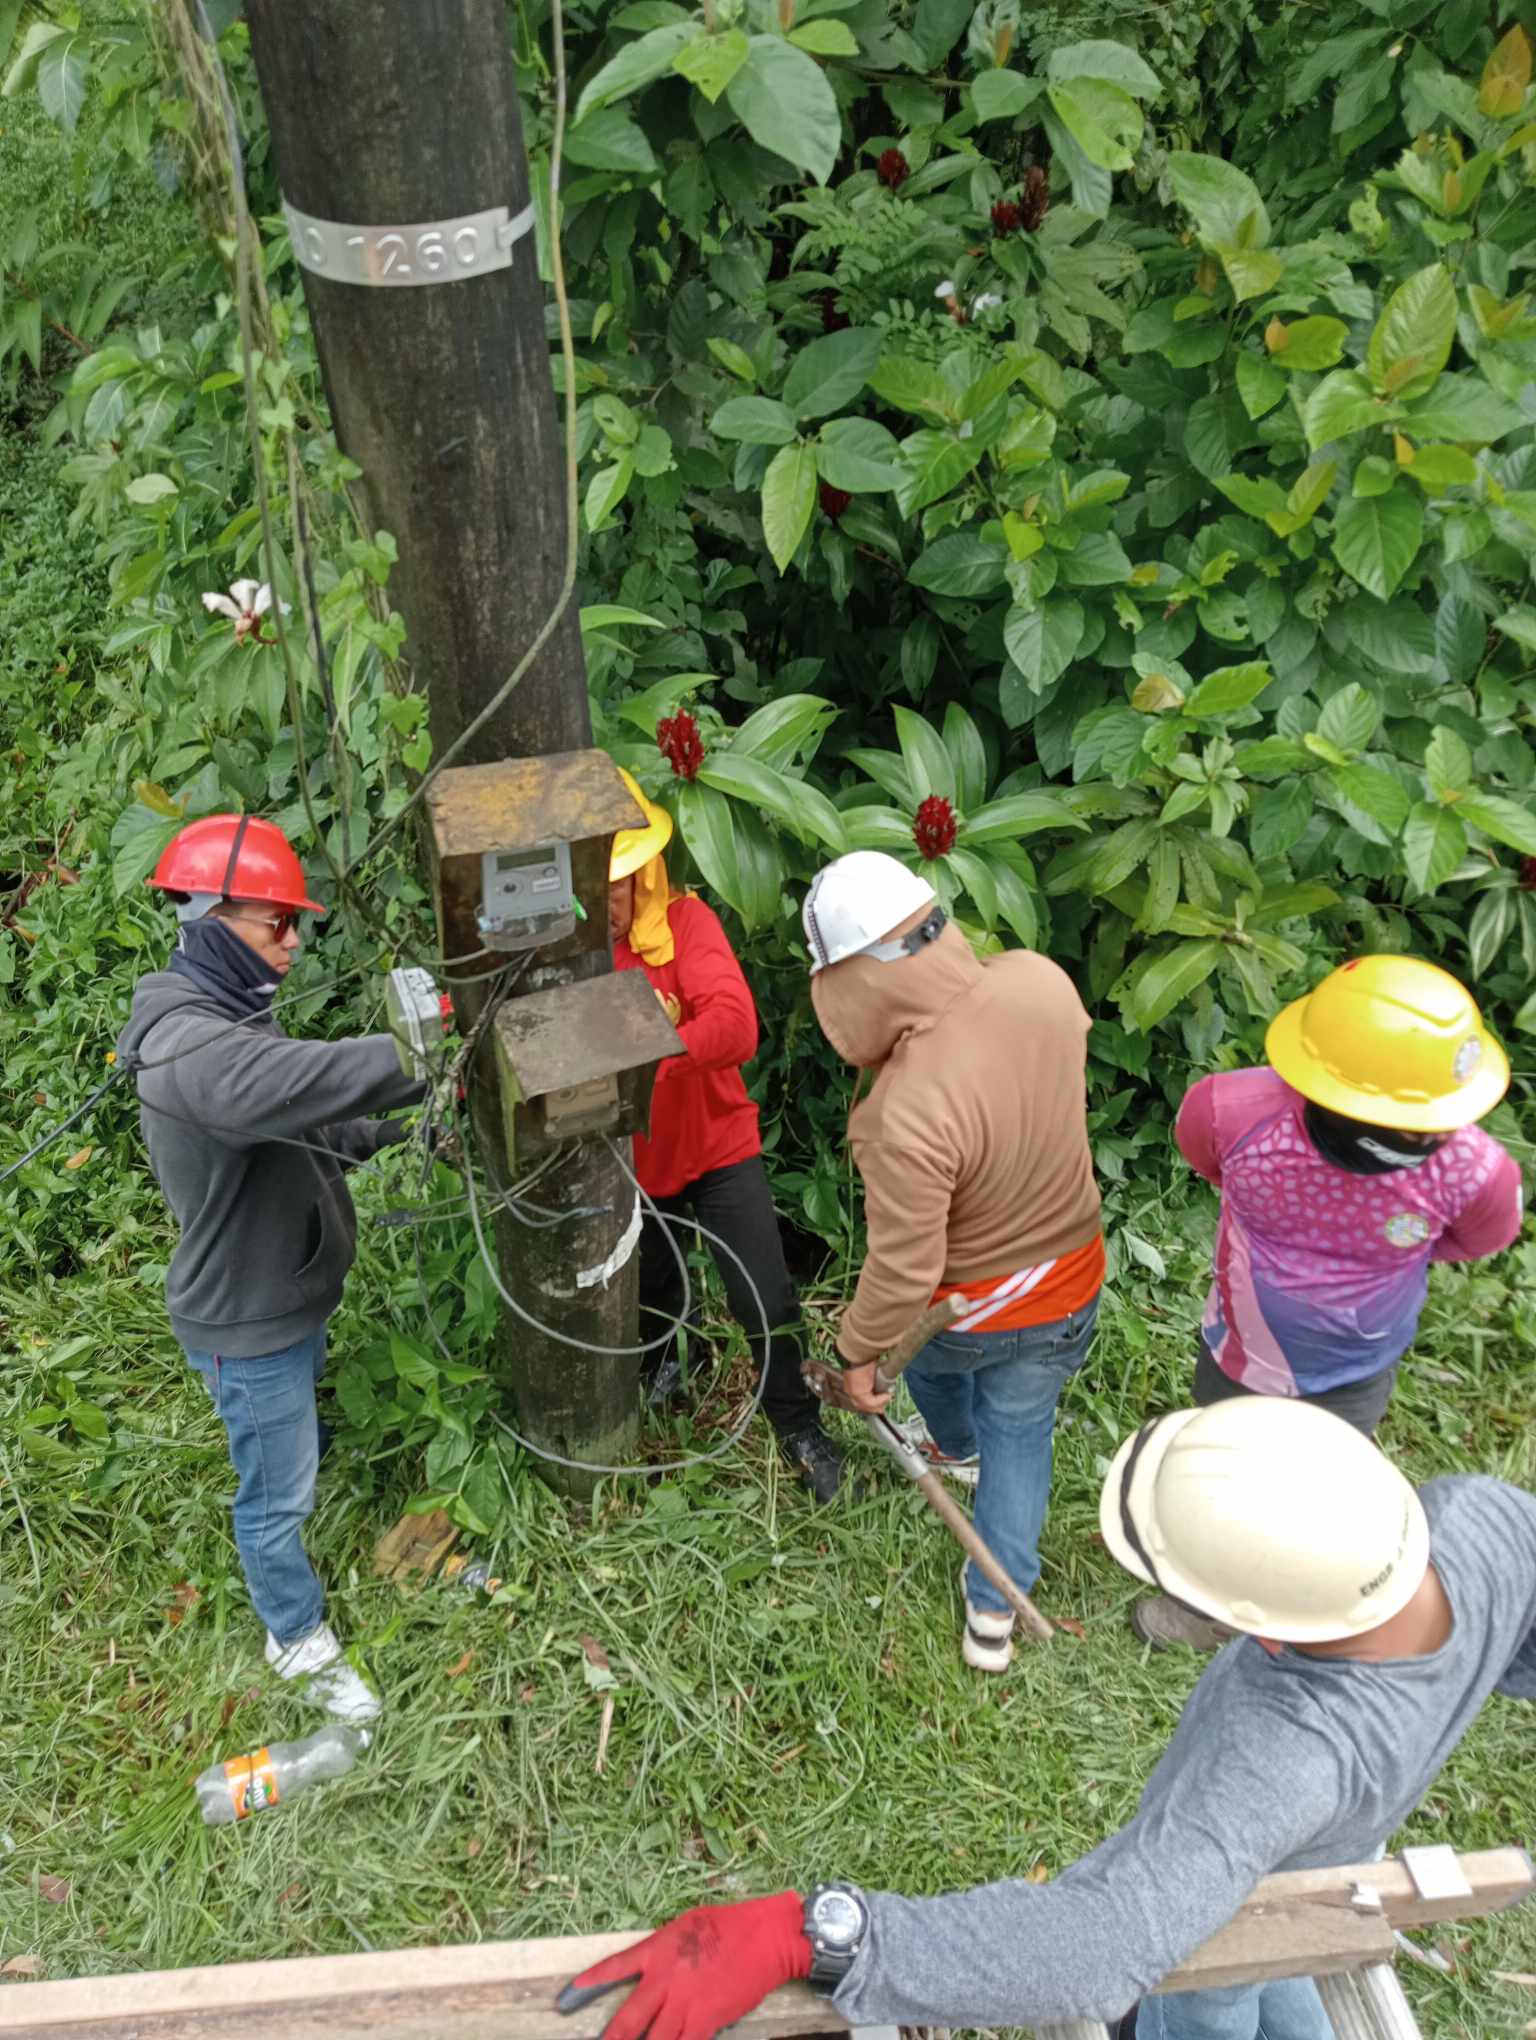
x=634 y=847
x=1394 y=1041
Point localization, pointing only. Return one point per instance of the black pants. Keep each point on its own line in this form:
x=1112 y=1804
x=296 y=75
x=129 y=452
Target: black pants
x=1361 y=1403
x=736 y=1203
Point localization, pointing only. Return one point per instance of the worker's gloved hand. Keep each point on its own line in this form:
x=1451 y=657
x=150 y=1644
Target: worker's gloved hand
x=701 y=1971
x=846 y=1388
x=670 y=1005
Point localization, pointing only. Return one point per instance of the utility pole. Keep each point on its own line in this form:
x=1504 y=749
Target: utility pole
x=397 y=141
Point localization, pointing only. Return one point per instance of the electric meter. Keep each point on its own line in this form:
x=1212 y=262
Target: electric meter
x=526 y=897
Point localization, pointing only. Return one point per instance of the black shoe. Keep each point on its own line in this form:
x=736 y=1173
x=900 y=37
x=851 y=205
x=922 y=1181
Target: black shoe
x=815 y=1458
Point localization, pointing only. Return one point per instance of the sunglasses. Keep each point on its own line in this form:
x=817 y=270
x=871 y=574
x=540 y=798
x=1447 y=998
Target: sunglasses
x=280 y=924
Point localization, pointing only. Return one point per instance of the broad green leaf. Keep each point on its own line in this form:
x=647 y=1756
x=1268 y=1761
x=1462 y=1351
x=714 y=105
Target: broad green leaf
x=1505 y=820
x=1291 y=903
x=1447 y=765
x=784 y=101
x=873 y=828
x=1018 y=815
x=611 y=139
x=960 y=563
x=1041 y=642
x=1216 y=431
x=999 y=95
x=1341 y=404
x=858 y=455
x=146 y=489
x=1376 y=539
x=1259 y=383
x=1306 y=496
x=1411 y=341
x=1462 y=407
x=24 y=67
x=1168 y=978
x=789 y=497
x=782 y=730
x=712 y=61
x=1441 y=467
x=635 y=65
x=964 y=744
x=1123 y=851
x=1349 y=718
x=1091 y=185
x=706 y=821
x=1113 y=61
x=1224 y=203
x=1098 y=560
x=1374 y=476
x=1104 y=485
x=914 y=386
x=831 y=371
x=930 y=464
x=1309 y=345
x=606 y=491
x=1487 y=930
x=62 y=70
x=1507 y=73
x=805 y=809
x=1279 y=817
x=930 y=769
x=1370 y=797
x=1519 y=624
x=1250 y=271
x=1433 y=844
x=1104 y=121
x=1229 y=688
x=759 y=421
x=1015 y=902
x=608 y=615
x=826 y=39
x=1257 y=494
x=975 y=874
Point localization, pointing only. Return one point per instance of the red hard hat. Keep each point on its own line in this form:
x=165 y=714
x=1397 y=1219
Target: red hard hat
x=238 y=857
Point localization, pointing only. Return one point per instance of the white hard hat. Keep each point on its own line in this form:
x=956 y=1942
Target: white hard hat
x=855 y=901
x=1269 y=1514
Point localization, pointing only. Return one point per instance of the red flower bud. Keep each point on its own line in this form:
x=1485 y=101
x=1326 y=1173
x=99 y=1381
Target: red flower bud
x=679 y=742
x=892 y=169
x=933 y=830
x=1035 y=198
x=834 y=501
x=1006 y=217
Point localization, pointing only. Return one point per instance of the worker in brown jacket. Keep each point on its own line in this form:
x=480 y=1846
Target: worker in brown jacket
x=978 y=1183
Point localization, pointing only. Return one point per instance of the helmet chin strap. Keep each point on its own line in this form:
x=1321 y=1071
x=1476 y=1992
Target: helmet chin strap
x=929 y=929
x=1363 y=1149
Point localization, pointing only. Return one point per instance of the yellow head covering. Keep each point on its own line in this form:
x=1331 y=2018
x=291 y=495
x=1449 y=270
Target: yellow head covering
x=638 y=852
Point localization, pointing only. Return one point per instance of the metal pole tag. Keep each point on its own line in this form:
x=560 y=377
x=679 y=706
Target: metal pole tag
x=434 y=251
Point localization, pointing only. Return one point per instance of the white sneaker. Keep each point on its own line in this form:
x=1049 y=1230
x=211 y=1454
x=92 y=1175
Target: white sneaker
x=987 y=1645
x=967 y=1472
x=330 y=1681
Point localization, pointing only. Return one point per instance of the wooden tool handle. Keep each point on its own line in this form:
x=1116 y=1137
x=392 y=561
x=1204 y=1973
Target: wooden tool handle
x=938 y=1317
x=970 y=1539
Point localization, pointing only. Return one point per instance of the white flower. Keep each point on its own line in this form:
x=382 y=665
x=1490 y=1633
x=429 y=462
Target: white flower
x=985 y=302
x=946 y=289
x=246 y=604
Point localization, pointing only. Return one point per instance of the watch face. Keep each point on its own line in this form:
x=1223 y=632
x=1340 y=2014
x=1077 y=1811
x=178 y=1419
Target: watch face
x=839 y=1919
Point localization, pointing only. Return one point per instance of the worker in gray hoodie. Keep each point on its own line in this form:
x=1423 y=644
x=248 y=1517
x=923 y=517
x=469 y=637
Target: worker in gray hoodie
x=1377 y=1620
x=250 y=1135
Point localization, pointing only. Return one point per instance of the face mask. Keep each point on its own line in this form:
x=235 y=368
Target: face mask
x=1367 y=1150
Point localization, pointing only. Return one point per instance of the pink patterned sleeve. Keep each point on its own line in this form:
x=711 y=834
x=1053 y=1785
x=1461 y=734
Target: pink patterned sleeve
x=1490 y=1222
x=1195 y=1129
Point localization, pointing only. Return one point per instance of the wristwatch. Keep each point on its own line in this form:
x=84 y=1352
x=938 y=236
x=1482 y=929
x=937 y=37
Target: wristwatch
x=836 y=1923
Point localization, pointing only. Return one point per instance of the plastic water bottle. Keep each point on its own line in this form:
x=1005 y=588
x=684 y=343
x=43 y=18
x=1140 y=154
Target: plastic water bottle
x=242 y=1786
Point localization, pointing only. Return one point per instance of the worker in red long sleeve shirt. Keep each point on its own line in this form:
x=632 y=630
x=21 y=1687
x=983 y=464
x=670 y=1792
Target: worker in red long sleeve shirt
x=704 y=1158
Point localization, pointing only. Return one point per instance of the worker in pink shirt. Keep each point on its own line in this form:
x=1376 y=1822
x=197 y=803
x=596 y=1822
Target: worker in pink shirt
x=1345 y=1167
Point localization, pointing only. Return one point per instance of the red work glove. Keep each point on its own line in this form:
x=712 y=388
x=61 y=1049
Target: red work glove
x=701 y=1971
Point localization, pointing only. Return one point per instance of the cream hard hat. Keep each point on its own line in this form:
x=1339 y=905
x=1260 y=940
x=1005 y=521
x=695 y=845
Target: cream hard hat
x=1268 y=1514
x=854 y=902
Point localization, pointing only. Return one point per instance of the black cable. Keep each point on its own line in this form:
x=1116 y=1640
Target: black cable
x=64 y=1125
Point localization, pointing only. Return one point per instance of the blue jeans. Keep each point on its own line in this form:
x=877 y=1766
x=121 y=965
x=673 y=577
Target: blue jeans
x=995 y=1393
x=267 y=1406
x=1291 y=2010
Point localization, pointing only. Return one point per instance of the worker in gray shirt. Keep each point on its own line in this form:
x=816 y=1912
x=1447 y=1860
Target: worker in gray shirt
x=1377 y=1621
x=249 y=1135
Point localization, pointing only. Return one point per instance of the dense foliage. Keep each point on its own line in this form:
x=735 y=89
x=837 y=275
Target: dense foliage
x=1086 y=451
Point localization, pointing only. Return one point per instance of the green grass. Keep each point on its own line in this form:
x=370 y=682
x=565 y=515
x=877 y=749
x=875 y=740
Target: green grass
x=790 y=1701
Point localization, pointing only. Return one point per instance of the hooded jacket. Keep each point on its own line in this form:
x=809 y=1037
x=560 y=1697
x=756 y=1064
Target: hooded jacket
x=267 y=1230
x=973 y=1143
